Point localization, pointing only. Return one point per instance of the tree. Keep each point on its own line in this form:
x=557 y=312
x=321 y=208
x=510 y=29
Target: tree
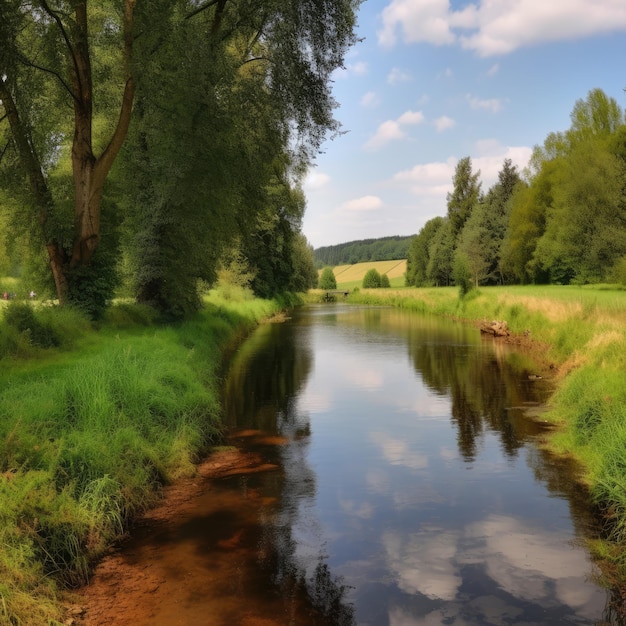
x=472 y=253
x=464 y=197
x=327 y=279
x=371 y=280
x=384 y=281
x=90 y=54
x=53 y=48
x=418 y=256
x=494 y=212
x=441 y=255
x=304 y=274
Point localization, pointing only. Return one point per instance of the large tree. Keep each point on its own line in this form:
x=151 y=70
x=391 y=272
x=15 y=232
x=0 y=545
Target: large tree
x=72 y=70
x=52 y=48
x=464 y=196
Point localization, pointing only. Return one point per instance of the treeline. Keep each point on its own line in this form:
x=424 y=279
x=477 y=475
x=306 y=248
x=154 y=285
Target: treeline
x=562 y=220
x=381 y=249
x=154 y=145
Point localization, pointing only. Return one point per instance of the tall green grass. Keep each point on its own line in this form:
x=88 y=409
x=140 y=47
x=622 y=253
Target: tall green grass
x=91 y=426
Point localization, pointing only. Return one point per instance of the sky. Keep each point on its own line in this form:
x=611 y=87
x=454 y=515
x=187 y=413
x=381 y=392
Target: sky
x=434 y=81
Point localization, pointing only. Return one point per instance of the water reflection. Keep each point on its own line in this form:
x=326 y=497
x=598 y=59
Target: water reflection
x=260 y=394
x=410 y=490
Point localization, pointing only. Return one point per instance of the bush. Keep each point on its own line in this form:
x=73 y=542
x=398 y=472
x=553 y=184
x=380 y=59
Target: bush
x=327 y=279
x=372 y=279
x=384 y=281
x=21 y=317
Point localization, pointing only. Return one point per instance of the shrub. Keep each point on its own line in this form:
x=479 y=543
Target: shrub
x=327 y=279
x=372 y=279
x=21 y=316
x=384 y=281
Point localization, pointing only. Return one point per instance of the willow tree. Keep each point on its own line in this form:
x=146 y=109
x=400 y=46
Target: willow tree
x=69 y=74
x=233 y=102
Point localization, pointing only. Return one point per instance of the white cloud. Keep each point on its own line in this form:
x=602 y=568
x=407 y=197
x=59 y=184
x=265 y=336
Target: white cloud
x=392 y=130
x=444 y=123
x=370 y=99
x=397 y=76
x=411 y=117
x=358 y=69
x=365 y=203
x=316 y=180
x=493 y=70
x=397 y=451
x=435 y=179
x=490 y=156
x=418 y=21
x=492 y=28
x=429 y=174
x=492 y=104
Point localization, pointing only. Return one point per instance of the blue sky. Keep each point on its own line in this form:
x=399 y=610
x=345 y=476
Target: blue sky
x=437 y=80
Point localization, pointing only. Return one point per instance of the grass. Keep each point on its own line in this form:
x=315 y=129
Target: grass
x=91 y=426
x=351 y=276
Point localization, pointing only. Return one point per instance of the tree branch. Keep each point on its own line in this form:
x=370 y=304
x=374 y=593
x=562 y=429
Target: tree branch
x=202 y=7
x=68 y=43
x=22 y=59
x=105 y=160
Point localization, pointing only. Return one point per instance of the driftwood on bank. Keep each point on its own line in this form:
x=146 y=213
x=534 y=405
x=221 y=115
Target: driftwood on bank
x=496 y=328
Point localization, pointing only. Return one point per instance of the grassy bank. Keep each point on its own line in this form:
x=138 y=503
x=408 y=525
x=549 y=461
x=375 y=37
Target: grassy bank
x=93 y=421
x=579 y=333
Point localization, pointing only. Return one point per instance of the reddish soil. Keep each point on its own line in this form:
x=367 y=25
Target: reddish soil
x=145 y=582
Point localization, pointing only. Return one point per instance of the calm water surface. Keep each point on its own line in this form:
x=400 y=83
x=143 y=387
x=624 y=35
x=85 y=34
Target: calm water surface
x=410 y=490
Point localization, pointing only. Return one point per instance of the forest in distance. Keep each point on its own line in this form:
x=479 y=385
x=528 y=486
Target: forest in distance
x=562 y=220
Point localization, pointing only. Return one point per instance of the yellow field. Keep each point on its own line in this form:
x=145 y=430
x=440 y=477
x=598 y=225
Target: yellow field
x=349 y=273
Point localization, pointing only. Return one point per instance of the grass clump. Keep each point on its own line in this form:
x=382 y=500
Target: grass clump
x=91 y=427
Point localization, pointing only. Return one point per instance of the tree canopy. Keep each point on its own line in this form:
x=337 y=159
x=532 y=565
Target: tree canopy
x=147 y=136
x=563 y=221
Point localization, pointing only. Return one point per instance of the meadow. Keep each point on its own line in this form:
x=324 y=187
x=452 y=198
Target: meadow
x=94 y=420
x=351 y=276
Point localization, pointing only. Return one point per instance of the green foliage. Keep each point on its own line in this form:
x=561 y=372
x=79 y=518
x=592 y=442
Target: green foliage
x=418 y=256
x=463 y=274
x=88 y=439
x=304 y=274
x=327 y=279
x=364 y=250
x=21 y=317
x=372 y=279
x=464 y=196
x=618 y=273
x=384 y=281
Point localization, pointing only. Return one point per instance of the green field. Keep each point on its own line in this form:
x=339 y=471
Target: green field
x=351 y=276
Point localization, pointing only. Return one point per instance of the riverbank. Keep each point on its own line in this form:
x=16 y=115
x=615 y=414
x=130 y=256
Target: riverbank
x=578 y=334
x=96 y=420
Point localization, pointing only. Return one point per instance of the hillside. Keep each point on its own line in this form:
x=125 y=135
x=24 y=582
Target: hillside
x=349 y=276
x=352 y=252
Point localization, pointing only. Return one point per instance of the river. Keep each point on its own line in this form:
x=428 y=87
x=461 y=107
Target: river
x=408 y=487
x=412 y=490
